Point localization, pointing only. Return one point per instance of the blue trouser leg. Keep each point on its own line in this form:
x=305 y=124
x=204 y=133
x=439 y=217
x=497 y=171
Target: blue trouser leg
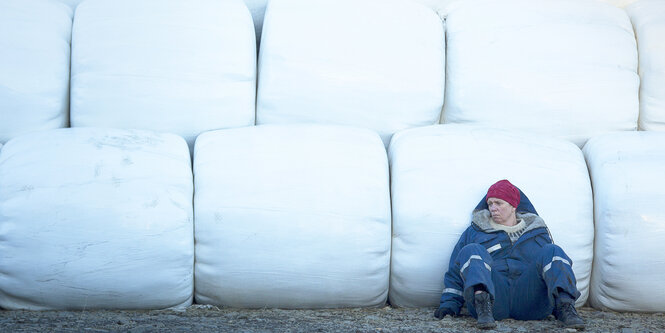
x=475 y=267
x=532 y=295
x=557 y=272
x=529 y=297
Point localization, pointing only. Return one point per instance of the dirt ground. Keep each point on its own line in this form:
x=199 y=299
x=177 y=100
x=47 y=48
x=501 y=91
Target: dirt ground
x=200 y=318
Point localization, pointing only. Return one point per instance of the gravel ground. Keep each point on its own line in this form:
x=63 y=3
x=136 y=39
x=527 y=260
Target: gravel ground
x=199 y=318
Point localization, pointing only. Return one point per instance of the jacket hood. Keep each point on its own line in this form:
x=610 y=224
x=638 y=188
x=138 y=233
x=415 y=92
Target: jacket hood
x=481 y=218
x=525 y=211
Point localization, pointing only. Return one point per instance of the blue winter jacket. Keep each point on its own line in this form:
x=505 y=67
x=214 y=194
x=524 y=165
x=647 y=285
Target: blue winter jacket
x=509 y=259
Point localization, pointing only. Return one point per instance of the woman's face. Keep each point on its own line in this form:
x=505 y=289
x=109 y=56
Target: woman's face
x=502 y=212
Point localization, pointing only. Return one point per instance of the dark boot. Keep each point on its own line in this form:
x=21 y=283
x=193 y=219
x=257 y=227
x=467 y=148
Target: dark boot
x=483 y=304
x=565 y=312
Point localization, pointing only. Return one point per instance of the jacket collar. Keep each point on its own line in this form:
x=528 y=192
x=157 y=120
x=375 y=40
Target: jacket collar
x=481 y=218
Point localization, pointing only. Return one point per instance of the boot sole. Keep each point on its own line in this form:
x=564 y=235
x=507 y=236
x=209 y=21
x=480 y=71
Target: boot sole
x=579 y=327
x=486 y=326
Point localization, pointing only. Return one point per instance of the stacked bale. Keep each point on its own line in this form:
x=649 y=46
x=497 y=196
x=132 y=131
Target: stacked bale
x=292 y=216
x=71 y=3
x=648 y=18
x=96 y=219
x=627 y=175
x=34 y=66
x=620 y=3
x=170 y=66
x=440 y=173
x=442 y=6
x=258 y=9
x=564 y=68
x=351 y=63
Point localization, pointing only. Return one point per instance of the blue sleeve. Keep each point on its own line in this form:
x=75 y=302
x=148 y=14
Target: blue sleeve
x=453 y=286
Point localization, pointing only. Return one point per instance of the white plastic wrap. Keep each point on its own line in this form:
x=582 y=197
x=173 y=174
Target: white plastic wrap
x=377 y=64
x=257 y=8
x=565 y=68
x=166 y=65
x=619 y=3
x=291 y=216
x=96 y=219
x=34 y=66
x=648 y=18
x=441 y=6
x=440 y=173
x=627 y=173
x=71 y=3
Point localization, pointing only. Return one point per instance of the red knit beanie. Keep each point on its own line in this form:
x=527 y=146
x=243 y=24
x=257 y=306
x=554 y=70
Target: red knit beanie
x=506 y=191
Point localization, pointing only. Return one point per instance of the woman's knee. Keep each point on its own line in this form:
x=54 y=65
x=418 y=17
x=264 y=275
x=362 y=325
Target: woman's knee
x=551 y=252
x=474 y=249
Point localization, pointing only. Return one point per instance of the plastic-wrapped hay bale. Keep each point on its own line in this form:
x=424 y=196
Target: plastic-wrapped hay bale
x=374 y=64
x=440 y=173
x=563 y=68
x=648 y=18
x=96 y=219
x=627 y=174
x=71 y=3
x=182 y=67
x=442 y=5
x=291 y=216
x=34 y=66
x=619 y=3
x=257 y=8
